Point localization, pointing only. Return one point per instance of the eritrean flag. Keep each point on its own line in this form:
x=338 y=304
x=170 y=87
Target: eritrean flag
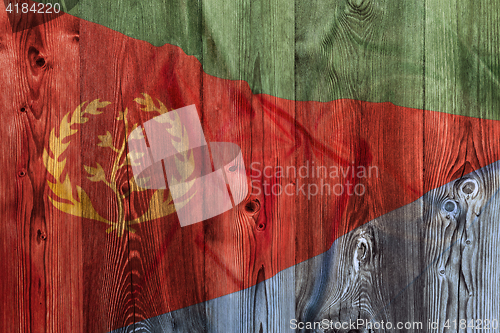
x=368 y=140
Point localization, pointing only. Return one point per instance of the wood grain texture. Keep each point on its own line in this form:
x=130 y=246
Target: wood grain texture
x=390 y=269
x=376 y=51
x=418 y=262
x=47 y=255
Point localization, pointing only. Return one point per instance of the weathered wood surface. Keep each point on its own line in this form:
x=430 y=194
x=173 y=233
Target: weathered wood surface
x=61 y=273
x=440 y=55
x=42 y=281
x=390 y=269
x=423 y=262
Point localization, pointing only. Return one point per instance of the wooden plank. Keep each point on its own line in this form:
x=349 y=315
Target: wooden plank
x=15 y=211
x=45 y=256
x=109 y=299
x=56 y=250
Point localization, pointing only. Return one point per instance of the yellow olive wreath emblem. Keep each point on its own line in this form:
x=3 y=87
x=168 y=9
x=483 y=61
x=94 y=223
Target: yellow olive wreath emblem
x=62 y=189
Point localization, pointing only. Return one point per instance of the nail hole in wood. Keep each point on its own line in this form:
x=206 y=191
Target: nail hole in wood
x=467 y=242
x=22 y=173
x=41 y=235
x=40 y=62
x=23 y=109
x=441 y=272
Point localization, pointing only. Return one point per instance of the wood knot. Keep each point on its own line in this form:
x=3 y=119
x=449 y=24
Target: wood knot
x=123 y=183
x=36 y=59
x=355 y=3
x=450 y=208
x=363 y=250
x=252 y=207
x=125 y=188
x=41 y=235
x=469 y=188
x=362 y=7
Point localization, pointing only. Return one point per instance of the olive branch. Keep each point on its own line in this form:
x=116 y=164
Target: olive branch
x=82 y=206
x=63 y=189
